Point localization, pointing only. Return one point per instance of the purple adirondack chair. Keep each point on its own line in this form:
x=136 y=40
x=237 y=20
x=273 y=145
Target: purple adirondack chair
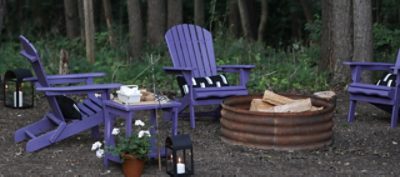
x=192 y=53
x=384 y=97
x=53 y=127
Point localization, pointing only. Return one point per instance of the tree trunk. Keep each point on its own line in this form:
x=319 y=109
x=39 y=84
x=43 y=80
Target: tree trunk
x=135 y=28
x=263 y=20
x=3 y=12
x=174 y=12
x=81 y=19
x=108 y=17
x=199 y=12
x=296 y=27
x=377 y=11
x=234 y=18
x=71 y=18
x=342 y=40
x=156 y=21
x=306 y=10
x=326 y=35
x=245 y=19
x=362 y=16
x=89 y=30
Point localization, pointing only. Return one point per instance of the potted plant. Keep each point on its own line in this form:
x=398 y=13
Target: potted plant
x=133 y=150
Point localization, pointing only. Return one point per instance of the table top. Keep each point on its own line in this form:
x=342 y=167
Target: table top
x=146 y=106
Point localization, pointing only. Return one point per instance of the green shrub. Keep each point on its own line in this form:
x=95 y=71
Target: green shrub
x=288 y=69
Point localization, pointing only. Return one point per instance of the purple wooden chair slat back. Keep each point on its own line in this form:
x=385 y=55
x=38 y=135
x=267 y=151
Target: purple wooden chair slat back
x=30 y=52
x=192 y=46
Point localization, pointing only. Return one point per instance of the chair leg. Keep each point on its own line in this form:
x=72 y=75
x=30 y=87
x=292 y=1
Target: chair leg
x=395 y=115
x=352 y=109
x=217 y=112
x=192 y=117
x=95 y=132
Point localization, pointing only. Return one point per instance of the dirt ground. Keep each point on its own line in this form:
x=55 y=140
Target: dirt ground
x=368 y=147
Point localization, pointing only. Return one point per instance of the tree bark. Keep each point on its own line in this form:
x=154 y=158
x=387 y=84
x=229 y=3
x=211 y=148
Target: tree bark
x=135 y=28
x=174 y=12
x=199 y=12
x=156 y=21
x=81 y=19
x=89 y=30
x=108 y=17
x=362 y=17
x=234 y=18
x=306 y=10
x=3 y=12
x=245 y=19
x=342 y=40
x=296 y=27
x=326 y=35
x=71 y=18
x=263 y=20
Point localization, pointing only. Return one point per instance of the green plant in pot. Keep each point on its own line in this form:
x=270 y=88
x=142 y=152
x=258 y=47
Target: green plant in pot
x=133 y=150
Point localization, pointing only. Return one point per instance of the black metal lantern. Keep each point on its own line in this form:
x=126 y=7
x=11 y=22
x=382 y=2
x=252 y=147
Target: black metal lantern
x=179 y=155
x=17 y=92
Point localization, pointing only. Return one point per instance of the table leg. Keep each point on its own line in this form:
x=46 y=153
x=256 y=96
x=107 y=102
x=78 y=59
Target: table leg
x=109 y=139
x=128 y=124
x=153 y=132
x=174 y=121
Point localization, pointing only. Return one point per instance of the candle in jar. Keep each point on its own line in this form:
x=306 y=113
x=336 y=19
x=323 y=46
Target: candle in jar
x=19 y=99
x=180 y=167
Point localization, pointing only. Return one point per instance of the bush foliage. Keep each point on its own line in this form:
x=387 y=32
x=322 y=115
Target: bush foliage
x=293 y=68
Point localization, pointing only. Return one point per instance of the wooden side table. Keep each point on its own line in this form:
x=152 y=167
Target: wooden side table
x=114 y=110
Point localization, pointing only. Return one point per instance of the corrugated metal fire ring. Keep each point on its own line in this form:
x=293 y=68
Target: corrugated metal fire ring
x=278 y=131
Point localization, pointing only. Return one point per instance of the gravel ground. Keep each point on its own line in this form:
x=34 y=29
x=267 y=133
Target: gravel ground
x=368 y=147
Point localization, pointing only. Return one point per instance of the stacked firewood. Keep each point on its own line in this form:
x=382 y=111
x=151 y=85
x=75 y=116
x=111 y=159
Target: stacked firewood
x=146 y=95
x=272 y=102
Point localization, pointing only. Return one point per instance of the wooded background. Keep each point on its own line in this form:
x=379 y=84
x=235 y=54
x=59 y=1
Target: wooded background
x=338 y=30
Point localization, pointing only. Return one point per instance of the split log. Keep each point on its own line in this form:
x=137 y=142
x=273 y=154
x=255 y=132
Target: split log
x=295 y=106
x=275 y=99
x=146 y=95
x=327 y=95
x=314 y=108
x=259 y=105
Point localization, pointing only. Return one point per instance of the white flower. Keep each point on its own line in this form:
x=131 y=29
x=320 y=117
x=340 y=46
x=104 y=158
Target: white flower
x=100 y=153
x=97 y=95
x=143 y=132
x=115 y=131
x=139 y=123
x=96 y=145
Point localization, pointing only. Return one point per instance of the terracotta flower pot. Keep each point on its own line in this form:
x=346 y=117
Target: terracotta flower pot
x=132 y=166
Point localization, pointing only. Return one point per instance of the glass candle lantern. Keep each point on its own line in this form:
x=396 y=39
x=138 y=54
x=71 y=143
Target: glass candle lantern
x=179 y=156
x=17 y=92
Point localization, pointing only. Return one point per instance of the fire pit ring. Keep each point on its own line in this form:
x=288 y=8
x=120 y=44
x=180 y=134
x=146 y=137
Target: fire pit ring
x=278 y=131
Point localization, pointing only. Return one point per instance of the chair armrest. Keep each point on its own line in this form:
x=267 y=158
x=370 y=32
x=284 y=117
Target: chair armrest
x=373 y=66
x=243 y=70
x=234 y=68
x=78 y=89
x=178 y=70
x=68 y=78
x=395 y=69
x=237 y=66
x=357 y=63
